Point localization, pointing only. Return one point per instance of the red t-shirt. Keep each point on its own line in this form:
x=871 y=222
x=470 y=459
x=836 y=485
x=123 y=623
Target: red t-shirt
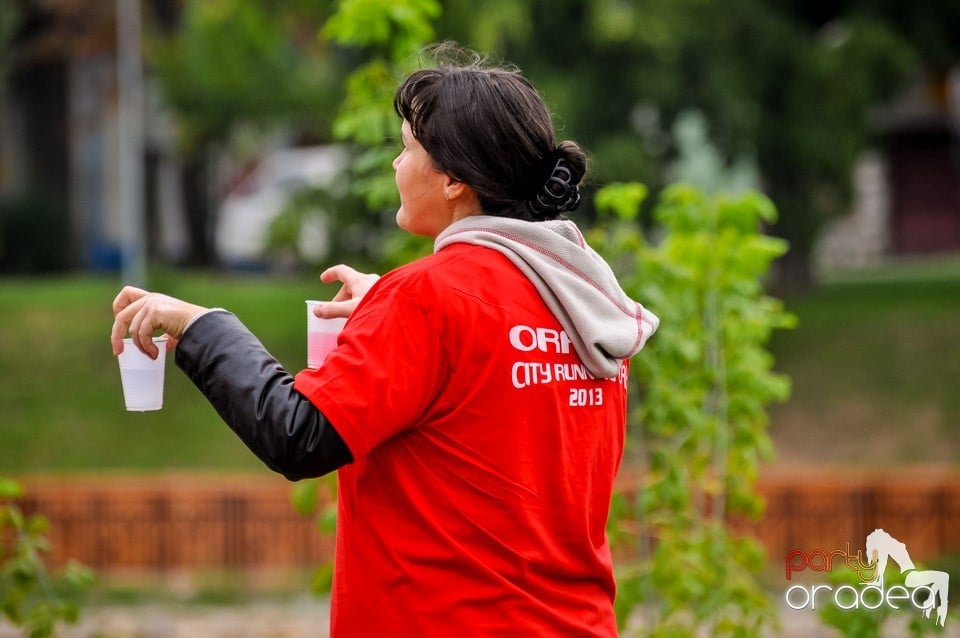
x=484 y=459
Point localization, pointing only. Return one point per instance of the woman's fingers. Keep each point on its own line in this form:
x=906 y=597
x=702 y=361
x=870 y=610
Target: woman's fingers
x=121 y=323
x=340 y=272
x=335 y=308
x=344 y=294
x=141 y=314
x=132 y=320
x=125 y=308
x=128 y=295
x=355 y=286
x=142 y=334
x=352 y=279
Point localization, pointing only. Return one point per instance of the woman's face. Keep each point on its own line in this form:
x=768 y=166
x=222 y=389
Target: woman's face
x=423 y=208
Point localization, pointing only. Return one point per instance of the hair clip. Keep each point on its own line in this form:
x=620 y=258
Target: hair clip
x=558 y=194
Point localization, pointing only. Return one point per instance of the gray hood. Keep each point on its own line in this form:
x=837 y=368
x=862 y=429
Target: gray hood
x=603 y=324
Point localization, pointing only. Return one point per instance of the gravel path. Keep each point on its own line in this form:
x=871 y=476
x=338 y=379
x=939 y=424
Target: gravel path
x=308 y=618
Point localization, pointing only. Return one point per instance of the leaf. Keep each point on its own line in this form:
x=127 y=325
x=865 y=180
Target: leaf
x=11 y=610
x=763 y=205
x=10 y=490
x=36 y=525
x=41 y=628
x=322 y=580
x=622 y=200
x=303 y=496
x=15 y=517
x=70 y=612
x=78 y=575
x=704 y=279
x=327 y=522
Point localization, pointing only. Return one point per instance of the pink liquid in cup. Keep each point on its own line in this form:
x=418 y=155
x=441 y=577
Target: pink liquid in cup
x=321 y=336
x=319 y=345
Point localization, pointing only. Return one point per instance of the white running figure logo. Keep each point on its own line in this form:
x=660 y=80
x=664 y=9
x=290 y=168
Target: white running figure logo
x=881 y=546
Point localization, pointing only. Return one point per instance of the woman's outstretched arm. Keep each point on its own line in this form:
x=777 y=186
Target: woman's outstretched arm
x=245 y=384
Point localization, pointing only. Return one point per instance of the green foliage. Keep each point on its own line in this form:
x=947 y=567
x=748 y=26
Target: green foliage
x=861 y=622
x=388 y=34
x=486 y=26
x=307 y=501
x=786 y=86
x=402 y=248
x=34 y=235
x=260 y=65
x=237 y=75
x=9 y=21
x=700 y=164
x=245 y=63
x=698 y=429
x=29 y=597
x=391 y=32
x=342 y=217
x=398 y=26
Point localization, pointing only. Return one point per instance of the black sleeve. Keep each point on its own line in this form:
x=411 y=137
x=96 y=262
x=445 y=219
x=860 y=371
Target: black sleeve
x=256 y=398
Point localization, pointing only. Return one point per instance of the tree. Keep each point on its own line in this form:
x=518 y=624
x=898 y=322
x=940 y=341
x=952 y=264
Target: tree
x=698 y=432
x=390 y=33
x=9 y=17
x=787 y=83
x=31 y=596
x=241 y=67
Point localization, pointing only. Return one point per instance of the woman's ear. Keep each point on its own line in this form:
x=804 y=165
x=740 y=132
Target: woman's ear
x=460 y=197
x=454 y=188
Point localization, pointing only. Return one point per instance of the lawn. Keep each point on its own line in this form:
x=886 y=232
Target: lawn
x=875 y=363
x=61 y=406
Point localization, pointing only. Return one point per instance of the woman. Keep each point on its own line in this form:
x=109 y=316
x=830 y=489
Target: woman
x=475 y=407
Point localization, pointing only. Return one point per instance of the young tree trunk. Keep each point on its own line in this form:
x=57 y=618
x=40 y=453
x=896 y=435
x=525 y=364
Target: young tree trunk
x=197 y=207
x=793 y=274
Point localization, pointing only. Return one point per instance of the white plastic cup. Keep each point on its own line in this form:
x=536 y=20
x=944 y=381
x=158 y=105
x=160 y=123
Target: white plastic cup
x=321 y=335
x=141 y=376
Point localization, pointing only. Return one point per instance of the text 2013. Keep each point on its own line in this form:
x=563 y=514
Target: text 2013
x=580 y=397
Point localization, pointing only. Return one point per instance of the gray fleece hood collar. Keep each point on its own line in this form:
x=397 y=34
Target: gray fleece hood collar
x=603 y=324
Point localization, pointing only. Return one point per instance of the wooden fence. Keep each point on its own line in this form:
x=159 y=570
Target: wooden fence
x=175 y=522
x=183 y=522
x=811 y=508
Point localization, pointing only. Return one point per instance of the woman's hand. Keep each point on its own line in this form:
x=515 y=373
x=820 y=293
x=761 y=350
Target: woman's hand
x=142 y=313
x=355 y=286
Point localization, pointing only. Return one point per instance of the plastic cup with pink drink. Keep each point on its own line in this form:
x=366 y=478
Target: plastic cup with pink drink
x=321 y=336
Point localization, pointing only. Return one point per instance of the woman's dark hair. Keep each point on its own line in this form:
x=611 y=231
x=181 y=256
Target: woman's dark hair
x=489 y=128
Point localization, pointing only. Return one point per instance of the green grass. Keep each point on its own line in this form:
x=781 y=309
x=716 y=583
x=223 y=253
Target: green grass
x=904 y=269
x=875 y=363
x=61 y=405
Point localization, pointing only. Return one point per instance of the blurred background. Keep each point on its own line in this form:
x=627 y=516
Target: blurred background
x=225 y=151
